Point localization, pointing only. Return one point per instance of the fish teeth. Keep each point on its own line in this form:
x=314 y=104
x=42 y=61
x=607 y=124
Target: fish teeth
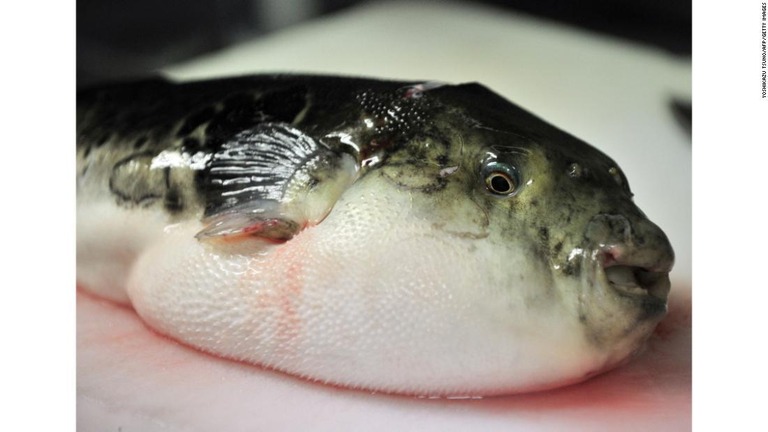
x=624 y=279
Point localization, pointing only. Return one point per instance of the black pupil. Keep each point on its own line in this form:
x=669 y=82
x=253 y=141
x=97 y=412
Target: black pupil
x=500 y=183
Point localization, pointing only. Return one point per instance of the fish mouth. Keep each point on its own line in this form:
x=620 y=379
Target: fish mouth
x=632 y=257
x=637 y=281
x=634 y=279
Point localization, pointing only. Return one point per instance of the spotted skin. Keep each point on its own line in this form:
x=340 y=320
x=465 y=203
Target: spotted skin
x=131 y=123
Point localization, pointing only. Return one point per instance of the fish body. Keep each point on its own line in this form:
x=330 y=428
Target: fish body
x=404 y=237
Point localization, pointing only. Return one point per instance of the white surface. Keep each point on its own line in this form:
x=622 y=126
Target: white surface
x=612 y=94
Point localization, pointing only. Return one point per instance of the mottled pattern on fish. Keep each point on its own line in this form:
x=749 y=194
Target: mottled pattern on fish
x=133 y=123
x=266 y=157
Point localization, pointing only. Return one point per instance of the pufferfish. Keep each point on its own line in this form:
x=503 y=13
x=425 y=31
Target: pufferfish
x=415 y=238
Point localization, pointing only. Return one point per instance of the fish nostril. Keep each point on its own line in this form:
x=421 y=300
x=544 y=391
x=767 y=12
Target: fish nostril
x=609 y=228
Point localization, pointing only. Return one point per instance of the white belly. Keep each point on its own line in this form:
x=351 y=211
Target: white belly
x=374 y=297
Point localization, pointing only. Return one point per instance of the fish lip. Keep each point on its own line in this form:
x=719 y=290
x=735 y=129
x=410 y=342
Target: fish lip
x=643 y=282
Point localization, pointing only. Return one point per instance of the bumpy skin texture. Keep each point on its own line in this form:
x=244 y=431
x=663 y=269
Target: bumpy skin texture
x=469 y=249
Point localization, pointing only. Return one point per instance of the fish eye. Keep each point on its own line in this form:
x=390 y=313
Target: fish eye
x=501 y=178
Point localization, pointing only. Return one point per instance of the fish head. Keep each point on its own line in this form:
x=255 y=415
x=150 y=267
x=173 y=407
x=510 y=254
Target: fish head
x=556 y=218
x=572 y=207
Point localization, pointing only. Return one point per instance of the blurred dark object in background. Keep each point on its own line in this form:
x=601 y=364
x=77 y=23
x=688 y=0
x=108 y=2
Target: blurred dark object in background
x=683 y=113
x=664 y=24
x=122 y=39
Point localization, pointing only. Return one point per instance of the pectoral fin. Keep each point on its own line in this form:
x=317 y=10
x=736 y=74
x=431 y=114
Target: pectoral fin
x=271 y=182
x=255 y=218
